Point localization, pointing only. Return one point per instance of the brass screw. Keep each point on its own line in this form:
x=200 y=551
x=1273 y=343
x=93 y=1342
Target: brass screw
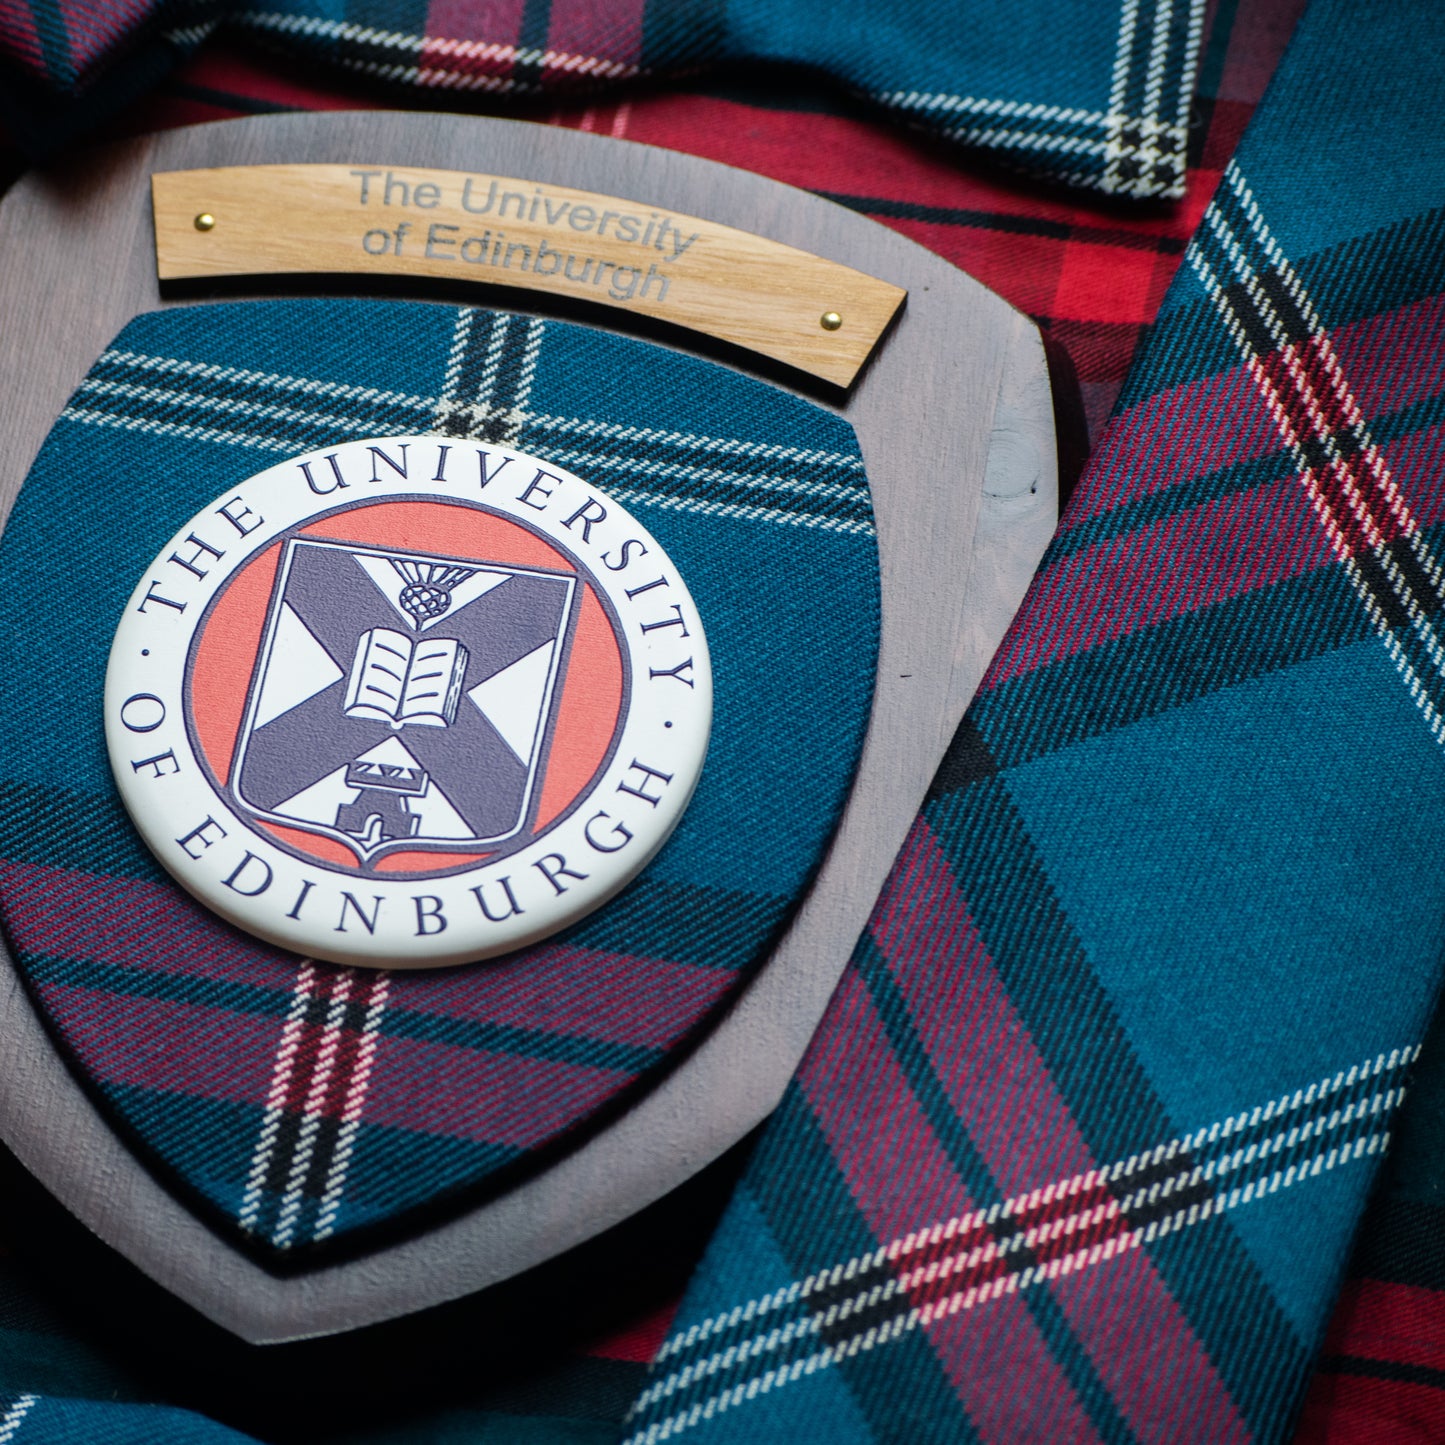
x=830 y=320
x=205 y=221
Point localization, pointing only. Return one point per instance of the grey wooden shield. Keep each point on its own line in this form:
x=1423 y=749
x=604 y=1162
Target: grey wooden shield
x=953 y=414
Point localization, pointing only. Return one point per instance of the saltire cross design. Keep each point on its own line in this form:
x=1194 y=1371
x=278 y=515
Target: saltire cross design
x=402 y=701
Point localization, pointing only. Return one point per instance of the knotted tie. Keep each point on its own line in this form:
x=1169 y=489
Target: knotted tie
x=1079 y=1148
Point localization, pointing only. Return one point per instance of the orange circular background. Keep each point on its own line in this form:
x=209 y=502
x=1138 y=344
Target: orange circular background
x=589 y=712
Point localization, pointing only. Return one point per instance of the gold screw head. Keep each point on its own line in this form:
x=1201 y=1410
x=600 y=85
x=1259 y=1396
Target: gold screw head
x=830 y=321
x=205 y=221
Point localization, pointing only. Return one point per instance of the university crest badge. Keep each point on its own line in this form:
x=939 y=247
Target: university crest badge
x=408 y=702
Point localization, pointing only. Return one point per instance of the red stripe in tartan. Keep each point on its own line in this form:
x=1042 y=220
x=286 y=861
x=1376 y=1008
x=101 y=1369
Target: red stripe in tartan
x=1360 y=1410
x=95 y=31
x=582 y=27
x=1222 y=549
x=1400 y=1324
x=71 y=914
x=1001 y=1091
x=165 y=1047
x=651 y=1002
x=898 y=1175
x=1173 y=437
x=1395 y=360
x=19 y=40
x=481 y=1096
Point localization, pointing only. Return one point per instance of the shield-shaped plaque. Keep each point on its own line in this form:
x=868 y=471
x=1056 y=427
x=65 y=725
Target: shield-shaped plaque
x=397 y=702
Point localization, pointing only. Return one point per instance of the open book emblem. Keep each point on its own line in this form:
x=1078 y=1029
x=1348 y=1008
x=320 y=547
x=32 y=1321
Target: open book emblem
x=401 y=701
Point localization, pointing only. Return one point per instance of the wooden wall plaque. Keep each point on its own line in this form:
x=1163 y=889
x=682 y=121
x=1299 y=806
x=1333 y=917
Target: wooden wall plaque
x=462 y=227
x=954 y=418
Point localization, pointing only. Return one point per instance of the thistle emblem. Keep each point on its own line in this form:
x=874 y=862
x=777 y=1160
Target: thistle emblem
x=428 y=591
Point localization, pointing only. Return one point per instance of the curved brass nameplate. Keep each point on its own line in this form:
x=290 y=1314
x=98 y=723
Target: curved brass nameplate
x=783 y=303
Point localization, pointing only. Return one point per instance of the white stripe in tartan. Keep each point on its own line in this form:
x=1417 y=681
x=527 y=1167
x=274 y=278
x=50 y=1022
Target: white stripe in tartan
x=628 y=495
x=440 y=62
x=484 y=413
x=1381 y=489
x=1014 y=109
x=1146 y=149
x=318 y=1082
x=584 y=426
x=693 y=471
x=633 y=496
x=1141 y=147
x=191 y=35
x=239 y=411
x=1118 y=91
x=242 y=376
x=14 y=1418
x=249 y=410
x=281 y=1072
x=1290 y=1133
x=352 y=1109
x=312 y=1111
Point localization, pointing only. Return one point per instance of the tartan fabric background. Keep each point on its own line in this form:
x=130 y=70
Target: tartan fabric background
x=300 y=1108
x=1061 y=1123
x=1072 y=90
x=1093 y=277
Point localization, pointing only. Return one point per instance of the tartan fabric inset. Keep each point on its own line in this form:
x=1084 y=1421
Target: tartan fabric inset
x=306 y=1106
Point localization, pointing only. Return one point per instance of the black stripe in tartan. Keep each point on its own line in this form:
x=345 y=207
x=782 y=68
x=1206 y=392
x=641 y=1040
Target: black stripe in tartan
x=677 y=33
x=1007 y=223
x=680 y=922
x=1364 y=1367
x=1047 y=976
x=1401 y=584
x=527 y=68
x=55 y=49
x=1170 y=664
x=1368 y=276
x=48 y=825
x=1402 y=1240
x=489 y=376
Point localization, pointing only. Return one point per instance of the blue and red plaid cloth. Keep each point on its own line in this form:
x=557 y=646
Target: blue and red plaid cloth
x=1070 y=91
x=1188 y=1222
x=303 y=1107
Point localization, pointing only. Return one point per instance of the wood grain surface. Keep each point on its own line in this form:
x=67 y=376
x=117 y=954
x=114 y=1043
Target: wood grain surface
x=953 y=417
x=469 y=228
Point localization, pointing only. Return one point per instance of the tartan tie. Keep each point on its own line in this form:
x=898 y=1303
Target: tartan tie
x=1081 y=1143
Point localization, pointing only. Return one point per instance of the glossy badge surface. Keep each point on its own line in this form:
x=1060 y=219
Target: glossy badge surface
x=408 y=702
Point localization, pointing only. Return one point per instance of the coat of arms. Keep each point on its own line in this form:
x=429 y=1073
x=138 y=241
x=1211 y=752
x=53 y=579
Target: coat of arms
x=401 y=700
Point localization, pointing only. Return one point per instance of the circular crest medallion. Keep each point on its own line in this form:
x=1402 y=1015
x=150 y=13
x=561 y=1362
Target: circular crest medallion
x=408 y=702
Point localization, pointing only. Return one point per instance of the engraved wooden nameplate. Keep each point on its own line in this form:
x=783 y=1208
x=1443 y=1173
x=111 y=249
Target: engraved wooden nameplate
x=807 y=312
